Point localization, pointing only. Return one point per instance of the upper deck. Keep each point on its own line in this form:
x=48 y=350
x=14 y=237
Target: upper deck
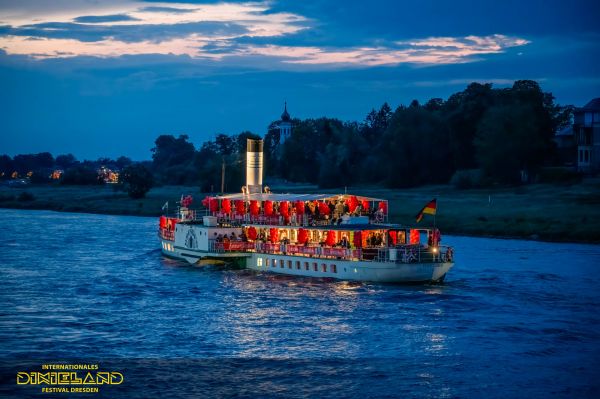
x=302 y=210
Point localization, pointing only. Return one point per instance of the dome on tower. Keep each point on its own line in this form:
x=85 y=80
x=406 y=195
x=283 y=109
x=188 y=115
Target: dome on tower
x=285 y=117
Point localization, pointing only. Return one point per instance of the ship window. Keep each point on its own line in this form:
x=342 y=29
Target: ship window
x=289 y=264
x=274 y=262
x=306 y=265
x=259 y=262
x=333 y=269
x=298 y=265
x=324 y=268
x=281 y=263
x=315 y=267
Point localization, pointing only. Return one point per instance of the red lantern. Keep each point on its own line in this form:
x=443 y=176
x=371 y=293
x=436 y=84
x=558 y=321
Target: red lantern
x=330 y=238
x=240 y=207
x=205 y=201
x=254 y=208
x=284 y=209
x=300 y=207
x=226 y=206
x=163 y=222
x=323 y=208
x=187 y=201
x=268 y=208
x=365 y=205
x=352 y=203
x=414 y=236
x=302 y=236
x=252 y=234
x=274 y=235
x=357 y=239
x=393 y=237
x=383 y=207
x=214 y=204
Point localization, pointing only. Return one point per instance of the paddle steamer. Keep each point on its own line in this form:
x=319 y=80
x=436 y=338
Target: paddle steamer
x=340 y=236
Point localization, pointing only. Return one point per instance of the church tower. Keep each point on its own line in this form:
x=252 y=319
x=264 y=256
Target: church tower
x=285 y=126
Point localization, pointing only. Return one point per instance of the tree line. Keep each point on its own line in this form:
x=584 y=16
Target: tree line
x=505 y=135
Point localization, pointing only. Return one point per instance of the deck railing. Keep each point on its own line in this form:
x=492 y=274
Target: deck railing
x=399 y=254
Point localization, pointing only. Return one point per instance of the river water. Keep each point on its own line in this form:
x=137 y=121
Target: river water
x=514 y=319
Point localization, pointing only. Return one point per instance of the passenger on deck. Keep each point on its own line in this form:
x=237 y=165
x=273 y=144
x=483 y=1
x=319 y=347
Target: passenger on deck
x=344 y=243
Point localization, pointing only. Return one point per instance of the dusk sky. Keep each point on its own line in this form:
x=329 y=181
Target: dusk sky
x=105 y=78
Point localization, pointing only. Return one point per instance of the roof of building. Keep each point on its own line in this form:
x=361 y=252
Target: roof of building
x=285 y=117
x=593 y=105
x=291 y=197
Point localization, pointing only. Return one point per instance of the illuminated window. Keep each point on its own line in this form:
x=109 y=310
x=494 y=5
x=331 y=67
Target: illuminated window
x=333 y=269
x=274 y=262
x=259 y=262
x=315 y=267
x=268 y=262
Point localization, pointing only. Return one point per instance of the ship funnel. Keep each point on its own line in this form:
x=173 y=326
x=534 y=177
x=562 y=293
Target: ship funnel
x=254 y=166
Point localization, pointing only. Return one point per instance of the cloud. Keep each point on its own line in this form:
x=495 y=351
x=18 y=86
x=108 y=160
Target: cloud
x=167 y=10
x=226 y=33
x=94 y=19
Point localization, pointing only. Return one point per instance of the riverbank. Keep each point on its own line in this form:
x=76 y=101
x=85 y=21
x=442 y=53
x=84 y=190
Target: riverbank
x=540 y=211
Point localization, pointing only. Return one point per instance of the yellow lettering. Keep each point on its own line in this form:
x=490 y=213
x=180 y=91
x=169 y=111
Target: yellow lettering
x=23 y=378
x=75 y=379
x=44 y=378
x=89 y=380
x=103 y=377
x=116 y=378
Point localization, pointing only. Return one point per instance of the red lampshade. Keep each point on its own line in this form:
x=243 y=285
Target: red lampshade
x=330 y=238
x=268 y=208
x=274 y=235
x=300 y=207
x=302 y=236
x=240 y=207
x=226 y=206
x=284 y=209
x=254 y=208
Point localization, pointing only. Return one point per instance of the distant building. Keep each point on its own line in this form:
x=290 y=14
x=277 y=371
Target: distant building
x=586 y=128
x=566 y=146
x=285 y=125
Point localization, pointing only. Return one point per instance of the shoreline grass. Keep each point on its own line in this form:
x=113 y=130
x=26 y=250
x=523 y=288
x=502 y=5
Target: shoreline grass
x=561 y=213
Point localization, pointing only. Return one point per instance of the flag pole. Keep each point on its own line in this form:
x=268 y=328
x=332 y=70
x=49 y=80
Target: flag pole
x=434 y=215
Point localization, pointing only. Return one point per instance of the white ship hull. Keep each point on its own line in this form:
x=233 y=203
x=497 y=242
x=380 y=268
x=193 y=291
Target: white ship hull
x=306 y=266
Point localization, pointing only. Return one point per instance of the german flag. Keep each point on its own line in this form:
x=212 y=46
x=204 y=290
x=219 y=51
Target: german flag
x=429 y=209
